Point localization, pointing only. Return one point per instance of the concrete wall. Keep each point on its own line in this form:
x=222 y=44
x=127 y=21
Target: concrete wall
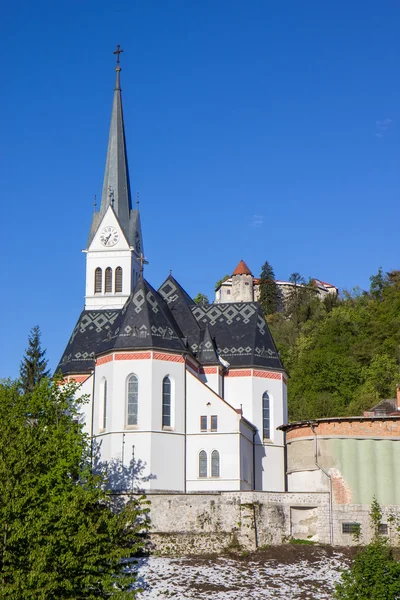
x=361 y=457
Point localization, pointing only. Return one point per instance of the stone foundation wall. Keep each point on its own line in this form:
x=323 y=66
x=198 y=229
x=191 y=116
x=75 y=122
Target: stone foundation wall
x=216 y=522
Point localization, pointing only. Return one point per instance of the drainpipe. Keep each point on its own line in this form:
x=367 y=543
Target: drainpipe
x=254 y=459
x=92 y=423
x=311 y=424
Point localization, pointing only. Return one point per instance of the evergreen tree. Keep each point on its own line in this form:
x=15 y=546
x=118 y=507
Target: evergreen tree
x=60 y=533
x=269 y=291
x=201 y=299
x=221 y=281
x=34 y=364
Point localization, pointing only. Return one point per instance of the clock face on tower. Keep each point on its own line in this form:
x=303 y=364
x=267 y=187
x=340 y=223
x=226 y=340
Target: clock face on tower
x=109 y=236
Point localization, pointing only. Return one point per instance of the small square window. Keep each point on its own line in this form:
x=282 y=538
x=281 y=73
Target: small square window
x=214 y=423
x=203 y=423
x=228 y=292
x=382 y=529
x=353 y=528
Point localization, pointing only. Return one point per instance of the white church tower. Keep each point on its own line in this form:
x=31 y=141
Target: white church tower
x=114 y=247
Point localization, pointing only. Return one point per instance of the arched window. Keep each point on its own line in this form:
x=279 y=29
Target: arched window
x=215 y=463
x=166 y=402
x=98 y=280
x=118 y=279
x=203 y=463
x=266 y=420
x=132 y=397
x=108 y=286
x=105 y=404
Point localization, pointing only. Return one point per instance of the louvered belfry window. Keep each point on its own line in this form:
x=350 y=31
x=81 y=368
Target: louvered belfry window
x=108 y=286
x=98 y=280
x=203 y=464
x=215 y=463
x=133 y=396
x=118 y=280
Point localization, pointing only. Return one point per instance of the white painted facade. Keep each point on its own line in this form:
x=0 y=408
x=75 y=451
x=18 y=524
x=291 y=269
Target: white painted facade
x=168 y=457
x=100 y=256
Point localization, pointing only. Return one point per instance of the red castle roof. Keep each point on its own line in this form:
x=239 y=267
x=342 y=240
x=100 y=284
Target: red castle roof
x=242 y=269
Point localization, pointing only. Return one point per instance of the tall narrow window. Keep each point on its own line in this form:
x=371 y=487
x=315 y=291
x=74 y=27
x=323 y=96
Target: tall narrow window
x=215 y=463
x=98 y=280
x=118 y=279
x=203 y=423
x=133 y=390
x=108 y=286
x=266 y=419
x=166 y=402
x=105 y=405
x=214 y=423
x=203 y=464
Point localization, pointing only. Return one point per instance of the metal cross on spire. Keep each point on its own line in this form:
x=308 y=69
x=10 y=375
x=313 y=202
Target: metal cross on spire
x=118 y=52
x=142 y=261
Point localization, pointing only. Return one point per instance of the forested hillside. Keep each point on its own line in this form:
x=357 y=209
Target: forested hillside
x=342 y=355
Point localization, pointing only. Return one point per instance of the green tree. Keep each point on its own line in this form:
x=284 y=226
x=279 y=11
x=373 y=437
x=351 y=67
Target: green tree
x=375 y=572
x=201 y=299
x=378 y=283
x=34 y=364
x=221 y=281
x=60 y=534
x=269 y=292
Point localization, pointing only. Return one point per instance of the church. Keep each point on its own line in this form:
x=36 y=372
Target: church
x=194 y=392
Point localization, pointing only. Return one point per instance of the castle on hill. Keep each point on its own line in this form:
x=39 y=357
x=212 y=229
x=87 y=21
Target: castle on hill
x=196 y=393
x=242 y=286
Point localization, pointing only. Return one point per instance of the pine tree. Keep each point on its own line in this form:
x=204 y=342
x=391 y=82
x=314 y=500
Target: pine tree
x=201 y=299
x=62 y=535
x=34 y=364
x=269 y=291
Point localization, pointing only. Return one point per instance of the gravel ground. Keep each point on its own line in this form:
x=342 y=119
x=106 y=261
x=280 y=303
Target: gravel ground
x=289 y=572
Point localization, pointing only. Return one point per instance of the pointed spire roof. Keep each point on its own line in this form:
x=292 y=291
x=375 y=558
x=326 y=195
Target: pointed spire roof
x=145 y=322
x=116 y=186
x=242 y=269
x=207 y=352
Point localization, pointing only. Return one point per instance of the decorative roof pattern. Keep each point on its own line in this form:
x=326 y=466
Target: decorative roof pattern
x=88 y=334
x=145 y=321
x=180 y=304
x=241 y=334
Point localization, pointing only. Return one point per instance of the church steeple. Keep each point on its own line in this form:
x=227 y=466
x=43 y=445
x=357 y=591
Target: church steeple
x=116 y=186
x=114 y=252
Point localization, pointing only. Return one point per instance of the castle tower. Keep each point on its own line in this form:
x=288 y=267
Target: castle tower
x=114 y=250
x=242 y=284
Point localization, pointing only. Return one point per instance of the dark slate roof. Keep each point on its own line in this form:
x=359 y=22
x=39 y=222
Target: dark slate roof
x=385 y=407
x=88 y=335
x=181 y=304
x=170 y=320
x=116 y=185
x=207 y=351
x=241 y=334
x=144 y=322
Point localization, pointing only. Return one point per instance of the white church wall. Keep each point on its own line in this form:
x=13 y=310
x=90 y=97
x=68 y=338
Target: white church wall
x=212 y=378
x=85 y=391
x=246 y=456
x=115 y=256
x=202 y=401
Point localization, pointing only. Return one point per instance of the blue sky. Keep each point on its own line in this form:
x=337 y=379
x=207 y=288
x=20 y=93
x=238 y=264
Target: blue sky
x=258 y=130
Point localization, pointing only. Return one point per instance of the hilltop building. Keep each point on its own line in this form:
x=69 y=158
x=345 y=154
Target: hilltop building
x=195 y=393
x=242 y=286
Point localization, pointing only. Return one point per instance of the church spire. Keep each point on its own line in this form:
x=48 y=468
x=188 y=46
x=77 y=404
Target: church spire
x=116 y=175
